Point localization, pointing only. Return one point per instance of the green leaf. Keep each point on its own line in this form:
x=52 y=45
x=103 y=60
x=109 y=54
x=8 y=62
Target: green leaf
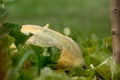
x=108 y=43
x=14 y=31
x=95 y=58
x=55 y=53
x=21 y=62
x=115 y=70
x=42 y=60
x=10 y=27
x=109 y=70
x=28 y=74
x=37 y=49
x=90 y=46
x=48 y=74
x=85 y=72
x=5 y=40
x=94 y=51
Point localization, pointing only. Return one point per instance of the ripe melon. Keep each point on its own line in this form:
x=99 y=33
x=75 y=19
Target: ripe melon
x=71 y=55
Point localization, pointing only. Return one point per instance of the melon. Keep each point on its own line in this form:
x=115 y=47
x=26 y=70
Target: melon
x=71 y=55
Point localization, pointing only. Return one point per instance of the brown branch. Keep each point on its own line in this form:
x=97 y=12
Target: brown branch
x=115 y=21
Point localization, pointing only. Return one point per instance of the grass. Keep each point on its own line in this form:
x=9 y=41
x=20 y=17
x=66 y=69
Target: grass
x=81 y=16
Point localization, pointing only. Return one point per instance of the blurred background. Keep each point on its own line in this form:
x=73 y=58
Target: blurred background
x=82 y=17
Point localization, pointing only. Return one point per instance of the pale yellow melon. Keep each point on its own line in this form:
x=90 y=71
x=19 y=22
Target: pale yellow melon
x=71 y=55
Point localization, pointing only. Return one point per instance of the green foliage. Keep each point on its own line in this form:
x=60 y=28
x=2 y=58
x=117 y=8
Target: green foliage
x=108 y=69
x=29 y=58
x=87 y=73
x=14 y=31
x=108 y=43
x=95 y=51
x=34 y=62
x=31 y=62
x=48 y=74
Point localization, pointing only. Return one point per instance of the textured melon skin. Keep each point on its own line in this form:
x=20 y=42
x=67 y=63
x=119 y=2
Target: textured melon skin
x=71 y=55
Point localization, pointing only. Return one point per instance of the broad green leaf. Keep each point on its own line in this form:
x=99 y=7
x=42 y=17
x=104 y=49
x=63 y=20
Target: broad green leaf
x=41 y=60
x=37 y=49
x=85 y=72
x=95 y=58
x=14 y=31
x=104 y=69
x=94 y=51
x=10 y=27
x=109 y=70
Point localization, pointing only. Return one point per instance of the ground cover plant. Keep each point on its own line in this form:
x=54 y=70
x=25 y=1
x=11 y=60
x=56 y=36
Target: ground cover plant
x=31 y=62
x=28 y=62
